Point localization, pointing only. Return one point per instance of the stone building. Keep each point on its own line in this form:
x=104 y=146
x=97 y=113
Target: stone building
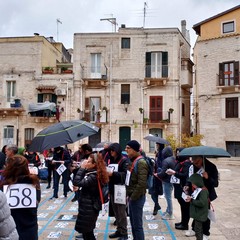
x=217 y=87
x=33 y=86
x=130 y=83
x=134 y=82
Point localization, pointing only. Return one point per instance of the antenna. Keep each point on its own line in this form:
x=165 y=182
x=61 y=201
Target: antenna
x=144 y=13
x=112 y=21
x=58 y=21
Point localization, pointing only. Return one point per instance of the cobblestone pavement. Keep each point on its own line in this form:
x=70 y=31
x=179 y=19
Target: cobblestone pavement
x=56 y=218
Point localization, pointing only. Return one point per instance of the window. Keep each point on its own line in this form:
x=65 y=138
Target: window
x=157 y=64
x=94 y=109
x=232 y=107
x=29 y=135
x=155 y=109
x=183 y=110
x=125 y=93
x=8 y=132
x=228 y=27
x=125 y=43
x=229 y=73
x=11 y=90
x=95 y=65
x=233 y=148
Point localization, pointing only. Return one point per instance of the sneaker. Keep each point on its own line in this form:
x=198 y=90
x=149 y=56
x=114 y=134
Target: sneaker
x=205 y=237
x=190 y=233
x=167 y=216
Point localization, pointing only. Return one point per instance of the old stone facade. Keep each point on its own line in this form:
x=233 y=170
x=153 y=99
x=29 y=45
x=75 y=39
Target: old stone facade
x=129 y=83
x=141 y=76
x=217 y=85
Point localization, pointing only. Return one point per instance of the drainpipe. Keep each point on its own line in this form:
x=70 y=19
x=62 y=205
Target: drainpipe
x=110 y=95
x=180 y=97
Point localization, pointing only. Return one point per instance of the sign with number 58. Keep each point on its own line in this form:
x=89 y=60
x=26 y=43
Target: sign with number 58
x=20 y=195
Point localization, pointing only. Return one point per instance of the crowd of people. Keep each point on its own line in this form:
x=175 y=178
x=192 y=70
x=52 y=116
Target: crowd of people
x=191 y=181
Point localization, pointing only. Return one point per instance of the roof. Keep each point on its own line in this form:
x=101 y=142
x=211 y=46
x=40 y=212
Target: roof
x=197 y=27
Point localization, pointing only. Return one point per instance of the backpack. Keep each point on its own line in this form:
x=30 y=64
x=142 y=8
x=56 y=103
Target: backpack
x=150 y=163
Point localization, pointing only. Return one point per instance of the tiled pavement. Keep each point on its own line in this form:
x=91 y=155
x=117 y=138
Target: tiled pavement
x=56 y=218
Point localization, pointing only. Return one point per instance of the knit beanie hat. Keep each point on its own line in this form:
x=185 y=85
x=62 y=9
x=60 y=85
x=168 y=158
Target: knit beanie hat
x=134 y=145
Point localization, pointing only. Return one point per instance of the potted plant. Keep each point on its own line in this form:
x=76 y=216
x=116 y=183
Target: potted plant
x=65 y=70
x=48 y=70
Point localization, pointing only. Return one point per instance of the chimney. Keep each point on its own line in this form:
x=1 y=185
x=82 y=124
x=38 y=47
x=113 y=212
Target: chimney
x=123 y=26
x=36 y=34
x=183 y=25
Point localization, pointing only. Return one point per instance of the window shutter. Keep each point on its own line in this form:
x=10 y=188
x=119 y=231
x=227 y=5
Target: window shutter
x=148 y=65
x=236 y=73
x=221 y=74
x=86 y=103
x=87 y=116
x=40 y=98
x=164 y=64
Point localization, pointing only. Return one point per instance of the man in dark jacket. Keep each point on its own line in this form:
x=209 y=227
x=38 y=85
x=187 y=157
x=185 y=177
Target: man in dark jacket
x=136 y=182
x=209 y=173
x=117 y=177
x=168 y=162
x=60 y=156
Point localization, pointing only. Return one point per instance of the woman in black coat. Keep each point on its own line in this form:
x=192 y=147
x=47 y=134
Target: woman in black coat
x=89 y=204
x=17 y=172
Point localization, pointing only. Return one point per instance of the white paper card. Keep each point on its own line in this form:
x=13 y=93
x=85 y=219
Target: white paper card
x=120 y=194
x=21 y=195
x=61 y=169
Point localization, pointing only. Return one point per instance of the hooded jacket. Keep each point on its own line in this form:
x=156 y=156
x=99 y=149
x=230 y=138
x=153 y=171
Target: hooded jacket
x=199 y=206
x=119 y=176
x=168 y=162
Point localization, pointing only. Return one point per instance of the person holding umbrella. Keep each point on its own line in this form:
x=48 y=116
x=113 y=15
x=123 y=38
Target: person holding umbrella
x=209 y=173
x=61 y=160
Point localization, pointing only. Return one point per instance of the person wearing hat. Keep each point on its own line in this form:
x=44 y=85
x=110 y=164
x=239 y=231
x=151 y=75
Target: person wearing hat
x=209 y=174
x=136 y=182
x=198 y=204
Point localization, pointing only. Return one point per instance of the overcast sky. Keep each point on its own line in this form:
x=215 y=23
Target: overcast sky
x=26 y=17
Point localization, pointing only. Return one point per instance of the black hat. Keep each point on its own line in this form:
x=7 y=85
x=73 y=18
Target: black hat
x=134 y=145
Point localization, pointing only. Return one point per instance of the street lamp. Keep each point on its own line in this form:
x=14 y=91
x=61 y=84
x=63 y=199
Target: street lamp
x=126 y=106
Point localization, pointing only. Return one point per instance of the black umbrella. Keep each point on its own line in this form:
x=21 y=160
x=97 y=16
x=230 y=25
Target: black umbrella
x=156 y=139
x=205 y=151
x=62 y=133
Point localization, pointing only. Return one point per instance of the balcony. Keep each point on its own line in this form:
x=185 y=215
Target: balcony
x=186 y=73
x=228 y=84
x=94 y=77
x=156 y=75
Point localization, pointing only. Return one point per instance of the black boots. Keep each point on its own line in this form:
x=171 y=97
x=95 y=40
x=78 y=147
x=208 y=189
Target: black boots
x=156 y=208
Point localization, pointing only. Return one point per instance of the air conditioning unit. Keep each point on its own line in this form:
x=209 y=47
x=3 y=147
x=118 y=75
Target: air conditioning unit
x=61 y=91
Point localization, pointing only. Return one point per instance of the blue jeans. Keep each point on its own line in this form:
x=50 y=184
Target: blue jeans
x=136 y=217
x=167 y=189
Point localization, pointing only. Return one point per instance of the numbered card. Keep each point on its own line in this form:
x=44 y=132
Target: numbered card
x=21 y=195
x=61 y=169
x=112 y=167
